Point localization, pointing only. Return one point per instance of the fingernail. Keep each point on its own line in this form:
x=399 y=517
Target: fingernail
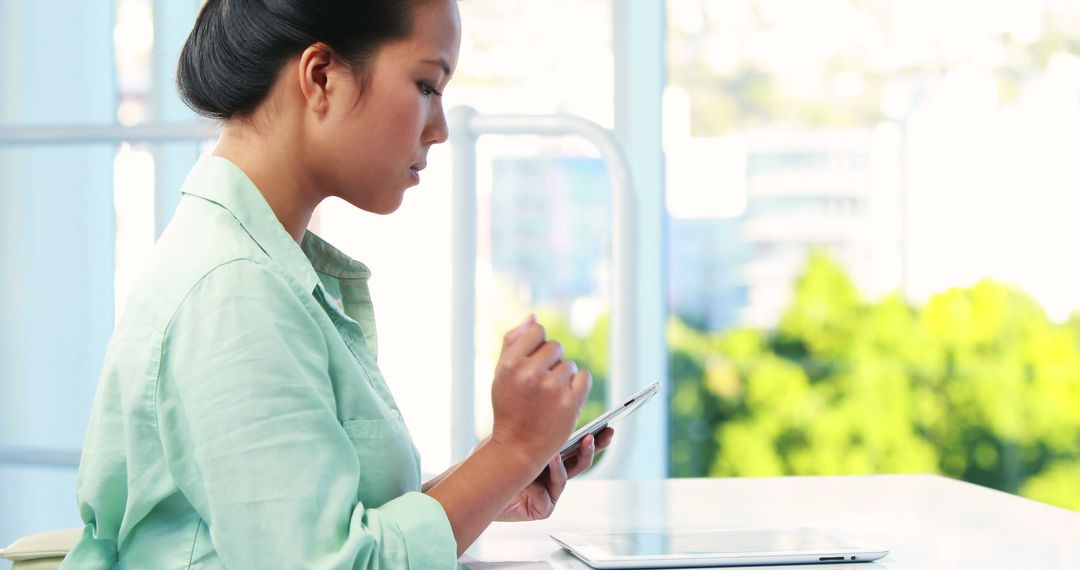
x=514 y=334
x=528 y=321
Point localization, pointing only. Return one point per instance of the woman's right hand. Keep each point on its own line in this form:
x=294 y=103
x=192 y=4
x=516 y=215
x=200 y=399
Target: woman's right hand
x=537 y=395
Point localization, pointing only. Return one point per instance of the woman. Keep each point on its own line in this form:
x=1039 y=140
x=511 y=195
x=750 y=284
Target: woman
x=241 y=420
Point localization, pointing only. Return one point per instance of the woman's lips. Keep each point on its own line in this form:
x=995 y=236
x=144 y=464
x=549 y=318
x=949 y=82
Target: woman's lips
x=415 y=169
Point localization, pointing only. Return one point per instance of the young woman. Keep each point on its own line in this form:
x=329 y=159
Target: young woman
x=241 y=420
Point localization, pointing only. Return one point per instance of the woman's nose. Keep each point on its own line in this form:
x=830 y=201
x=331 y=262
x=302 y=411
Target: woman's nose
x=437 y=131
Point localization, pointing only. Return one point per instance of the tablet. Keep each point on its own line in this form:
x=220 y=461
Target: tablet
x=608 y=418
x=684 y=549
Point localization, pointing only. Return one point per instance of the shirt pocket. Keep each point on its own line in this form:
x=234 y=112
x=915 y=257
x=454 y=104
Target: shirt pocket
x=361 y=430
x=389 y=466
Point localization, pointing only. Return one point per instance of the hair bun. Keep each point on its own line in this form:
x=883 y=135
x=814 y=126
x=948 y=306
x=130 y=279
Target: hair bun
x=232 y=57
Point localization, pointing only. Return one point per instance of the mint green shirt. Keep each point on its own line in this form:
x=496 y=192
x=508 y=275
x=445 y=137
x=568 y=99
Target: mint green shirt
x=241 y=420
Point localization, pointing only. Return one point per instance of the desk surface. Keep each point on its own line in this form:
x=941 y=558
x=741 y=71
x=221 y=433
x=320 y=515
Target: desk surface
x=927 y=522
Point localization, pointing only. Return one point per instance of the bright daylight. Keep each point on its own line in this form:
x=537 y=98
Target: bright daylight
x=559 y=284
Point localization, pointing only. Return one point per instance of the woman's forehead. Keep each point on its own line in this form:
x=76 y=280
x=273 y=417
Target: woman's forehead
x=436 y=31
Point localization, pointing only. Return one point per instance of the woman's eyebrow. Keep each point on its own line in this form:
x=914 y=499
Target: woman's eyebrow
x=441 y=63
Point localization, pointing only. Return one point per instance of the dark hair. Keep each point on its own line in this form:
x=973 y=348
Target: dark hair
x=233 y=55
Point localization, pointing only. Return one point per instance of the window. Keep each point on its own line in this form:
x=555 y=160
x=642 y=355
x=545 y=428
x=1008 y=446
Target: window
x=897 y=217
x=79 y=211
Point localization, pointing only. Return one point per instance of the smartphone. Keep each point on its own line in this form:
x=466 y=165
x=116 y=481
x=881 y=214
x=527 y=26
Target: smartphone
x=570 y=448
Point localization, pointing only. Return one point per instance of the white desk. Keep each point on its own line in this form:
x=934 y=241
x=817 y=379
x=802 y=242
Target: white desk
x=927 y=522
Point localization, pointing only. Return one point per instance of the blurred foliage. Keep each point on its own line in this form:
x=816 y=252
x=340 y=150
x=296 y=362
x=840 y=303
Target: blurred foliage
x=977 y=384
x=737 y=78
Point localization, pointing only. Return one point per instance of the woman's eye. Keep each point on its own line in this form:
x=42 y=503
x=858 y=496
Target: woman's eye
x=428 y=90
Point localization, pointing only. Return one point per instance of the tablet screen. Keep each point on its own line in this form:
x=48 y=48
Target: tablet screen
x=734 y=542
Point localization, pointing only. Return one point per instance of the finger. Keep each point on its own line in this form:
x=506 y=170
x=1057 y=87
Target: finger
x=580 y=384
x=557 y=478
x=565 y=369
x=584 y=458
x=516 y=332
x=548 y=355
x=603 y=439
x=526 y=342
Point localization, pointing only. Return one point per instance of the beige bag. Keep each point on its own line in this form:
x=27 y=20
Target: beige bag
x=42 y=551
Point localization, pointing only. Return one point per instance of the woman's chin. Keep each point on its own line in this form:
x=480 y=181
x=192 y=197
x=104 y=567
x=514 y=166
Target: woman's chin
x=388 y=206
x=387 y=203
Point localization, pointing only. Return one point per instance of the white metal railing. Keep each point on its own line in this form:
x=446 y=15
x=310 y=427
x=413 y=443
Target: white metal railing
x=466 y=126
x=107 y=134
x=39 y=457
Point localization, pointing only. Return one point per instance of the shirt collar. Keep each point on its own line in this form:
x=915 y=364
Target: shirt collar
x=220 y=181
x=329 y=260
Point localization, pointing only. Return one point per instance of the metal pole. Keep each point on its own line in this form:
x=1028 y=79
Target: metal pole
x=639 y=47
x=462 y=285
x=466 y=127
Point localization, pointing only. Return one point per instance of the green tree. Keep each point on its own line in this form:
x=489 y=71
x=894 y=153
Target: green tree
x=977 y=384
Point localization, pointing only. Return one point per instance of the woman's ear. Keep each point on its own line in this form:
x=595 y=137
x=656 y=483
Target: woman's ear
x=313 y=69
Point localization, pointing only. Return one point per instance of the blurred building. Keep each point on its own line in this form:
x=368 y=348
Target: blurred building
x=550 y=232
x=705 y=286
x=809 y=190
x=734 y=258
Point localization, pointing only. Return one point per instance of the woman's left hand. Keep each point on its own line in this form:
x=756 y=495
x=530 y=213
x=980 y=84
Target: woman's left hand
x=537 y=501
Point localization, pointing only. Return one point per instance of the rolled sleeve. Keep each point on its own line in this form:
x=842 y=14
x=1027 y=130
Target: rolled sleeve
x=250 y=430
x=424 y=528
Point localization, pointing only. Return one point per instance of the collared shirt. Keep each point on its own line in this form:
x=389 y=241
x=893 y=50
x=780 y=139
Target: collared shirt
x=241 y=420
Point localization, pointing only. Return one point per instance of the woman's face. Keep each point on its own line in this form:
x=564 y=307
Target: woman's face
x=374 y=140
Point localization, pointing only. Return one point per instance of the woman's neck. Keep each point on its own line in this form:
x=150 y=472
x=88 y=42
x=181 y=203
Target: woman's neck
x=274 y=168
